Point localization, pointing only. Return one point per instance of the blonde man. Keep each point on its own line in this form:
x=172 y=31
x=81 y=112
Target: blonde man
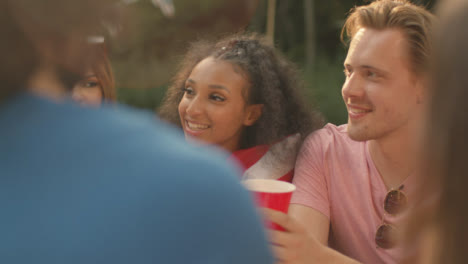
x=355 y=180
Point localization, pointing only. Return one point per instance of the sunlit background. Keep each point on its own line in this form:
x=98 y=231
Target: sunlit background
x=308 y=31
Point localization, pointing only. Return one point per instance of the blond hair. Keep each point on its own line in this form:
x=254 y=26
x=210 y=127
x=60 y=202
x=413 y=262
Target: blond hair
x=415 y=22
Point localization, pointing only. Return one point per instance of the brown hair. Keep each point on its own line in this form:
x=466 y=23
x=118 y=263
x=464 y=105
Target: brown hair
x=46 y=30
x=414 y=21
x=19 y=58
x=275 y=83
x=444 y=164
x=101 y=67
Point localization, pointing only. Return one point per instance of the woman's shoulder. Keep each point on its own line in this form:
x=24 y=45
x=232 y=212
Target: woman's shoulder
x=270 y=162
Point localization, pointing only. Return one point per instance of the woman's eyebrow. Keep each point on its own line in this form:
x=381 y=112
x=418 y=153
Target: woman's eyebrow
x=90 y=76
x=217 y=86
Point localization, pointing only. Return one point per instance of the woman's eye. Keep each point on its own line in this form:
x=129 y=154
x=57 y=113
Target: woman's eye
x=217 y=98
x=90 y=84
x=188 y=90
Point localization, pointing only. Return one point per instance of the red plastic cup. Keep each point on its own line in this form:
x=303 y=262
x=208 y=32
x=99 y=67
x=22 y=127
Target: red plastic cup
x=271 y=194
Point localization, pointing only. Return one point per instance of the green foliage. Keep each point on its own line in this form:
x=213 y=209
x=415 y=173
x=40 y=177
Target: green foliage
x=146 y=57
x=324 y=89
x=142 y=98
x=149 y=46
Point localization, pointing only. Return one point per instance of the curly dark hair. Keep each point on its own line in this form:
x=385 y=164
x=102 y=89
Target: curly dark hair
x=274 y=80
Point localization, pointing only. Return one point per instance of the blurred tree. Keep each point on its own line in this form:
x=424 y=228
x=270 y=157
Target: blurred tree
x=270 y=30
x=149 y=47
x=307 y=31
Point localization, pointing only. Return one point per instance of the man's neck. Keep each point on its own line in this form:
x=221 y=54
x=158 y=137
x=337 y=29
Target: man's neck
x=394 y=157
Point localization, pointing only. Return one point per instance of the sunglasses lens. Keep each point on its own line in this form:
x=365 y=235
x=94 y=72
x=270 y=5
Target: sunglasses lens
x=385 y=237
x=395 y=202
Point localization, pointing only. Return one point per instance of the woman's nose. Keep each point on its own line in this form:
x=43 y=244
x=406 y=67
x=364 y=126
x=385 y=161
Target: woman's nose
x=195 y=106
x=77 y=95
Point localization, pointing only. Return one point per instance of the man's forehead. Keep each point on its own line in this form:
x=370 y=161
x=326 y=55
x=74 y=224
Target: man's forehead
x=378 y=47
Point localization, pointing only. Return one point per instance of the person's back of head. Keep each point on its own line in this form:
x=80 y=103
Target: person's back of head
x=415 y=22
x=19 y=58
x=48 y=33
x=89 y=186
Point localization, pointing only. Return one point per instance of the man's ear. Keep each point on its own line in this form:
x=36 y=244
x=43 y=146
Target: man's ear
x=253 y=113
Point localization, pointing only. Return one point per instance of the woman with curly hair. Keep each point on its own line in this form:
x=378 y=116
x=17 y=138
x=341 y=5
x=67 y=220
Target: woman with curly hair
x=242 y=95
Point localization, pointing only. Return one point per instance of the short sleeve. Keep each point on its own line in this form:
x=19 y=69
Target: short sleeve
x=310 y=173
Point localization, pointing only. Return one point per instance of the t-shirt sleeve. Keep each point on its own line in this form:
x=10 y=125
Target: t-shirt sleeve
x=310 y=174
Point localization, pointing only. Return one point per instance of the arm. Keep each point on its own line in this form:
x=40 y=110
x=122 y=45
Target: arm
x=306 y=216
x=307 y=225
x=304 y=239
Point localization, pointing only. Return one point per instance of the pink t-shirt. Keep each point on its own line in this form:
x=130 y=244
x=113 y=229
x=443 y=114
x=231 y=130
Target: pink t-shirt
x=337 y=177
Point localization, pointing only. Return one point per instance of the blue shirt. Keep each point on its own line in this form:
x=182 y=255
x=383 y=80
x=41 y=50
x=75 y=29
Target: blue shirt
x=113 y=185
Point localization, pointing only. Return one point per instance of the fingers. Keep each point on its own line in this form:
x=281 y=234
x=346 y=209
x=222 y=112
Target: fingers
x=282 y=255
x=282 y=219
x=288 y=246
x=280 y=238
x=277 y=217
x=285 y=245
x=289 y=254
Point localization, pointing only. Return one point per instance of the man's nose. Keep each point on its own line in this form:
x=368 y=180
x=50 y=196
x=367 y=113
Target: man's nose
x=353 y=87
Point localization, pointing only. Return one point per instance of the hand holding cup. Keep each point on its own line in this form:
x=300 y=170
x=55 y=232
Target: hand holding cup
x=271 y=194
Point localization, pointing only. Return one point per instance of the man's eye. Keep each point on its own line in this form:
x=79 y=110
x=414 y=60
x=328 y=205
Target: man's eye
x=371 y=74
x=347 y=72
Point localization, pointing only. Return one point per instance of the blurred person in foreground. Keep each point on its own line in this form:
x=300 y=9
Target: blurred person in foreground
x=241 y=94
x=102 y=185
x=438 y=227
x=354 y=181
x=97 y=84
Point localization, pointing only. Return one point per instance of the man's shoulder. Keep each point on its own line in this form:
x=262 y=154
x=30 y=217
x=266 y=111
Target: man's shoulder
x=331 y=139
x=329 y=134
x=334 y=130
